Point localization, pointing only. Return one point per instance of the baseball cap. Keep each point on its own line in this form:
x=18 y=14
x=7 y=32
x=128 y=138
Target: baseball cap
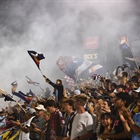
x=77 y=92
x=31 y=111
x=40 y=107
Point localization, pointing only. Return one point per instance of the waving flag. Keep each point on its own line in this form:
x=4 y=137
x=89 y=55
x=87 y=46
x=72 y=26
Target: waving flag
x=126 y=52
x=30 y=81
x=8 y=97
x=124 y=42
x=69 y=64
x=30 y=93
x=36 y=57
x=4 y=94
x=75 y=67
x=21 y=95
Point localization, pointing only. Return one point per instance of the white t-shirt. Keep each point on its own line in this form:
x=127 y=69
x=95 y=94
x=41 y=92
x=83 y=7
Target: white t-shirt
x=23 y=135
x=81 y=124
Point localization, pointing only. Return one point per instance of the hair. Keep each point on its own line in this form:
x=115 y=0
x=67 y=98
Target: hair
x=124 y=73
x=50 y=103
x=59 y=81
x=47 y=113
x=82 y=98
x=122 y=86
x=108 y=115
x=114 y=85
x=70 y=102
x=125 y=97
x=108 y=102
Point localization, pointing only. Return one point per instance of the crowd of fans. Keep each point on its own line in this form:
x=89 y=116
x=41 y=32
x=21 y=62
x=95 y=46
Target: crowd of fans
x=97 y=108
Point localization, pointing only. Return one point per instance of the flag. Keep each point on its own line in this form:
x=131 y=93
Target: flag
x=69 y=80
x=69 y=64
x=86 y=64
x=74 y=67
x=124 y=42
x=91 y=42
x=30 y=93
x=7 y=96
x=29 y=81
x=126 y=51
x=36 y=57
x=14 y=86
x=95 y=68
x=2 y=93
x=23 y=96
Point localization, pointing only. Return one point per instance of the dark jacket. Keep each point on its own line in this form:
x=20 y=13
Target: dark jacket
x=58 y=87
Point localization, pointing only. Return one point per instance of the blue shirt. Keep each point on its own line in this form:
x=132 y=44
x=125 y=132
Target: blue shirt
x=136 y=119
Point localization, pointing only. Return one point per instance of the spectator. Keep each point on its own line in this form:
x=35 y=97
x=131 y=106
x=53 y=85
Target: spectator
x=37 y=122
x=29 y=115
x=58 y=88
x=135 y=122
x=106 y=124
x=122 y=77
x=82 y=126
x=70 y=114
x=56 y=121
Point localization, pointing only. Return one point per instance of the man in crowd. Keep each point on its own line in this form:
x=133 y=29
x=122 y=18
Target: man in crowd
x=37 y=122
x=68 y=106
x=82 y=126
x=56 y=120
x=29 y=115
x=58 y=88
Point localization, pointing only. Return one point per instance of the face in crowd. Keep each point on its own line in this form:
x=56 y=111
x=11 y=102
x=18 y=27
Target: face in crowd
x=106 y=119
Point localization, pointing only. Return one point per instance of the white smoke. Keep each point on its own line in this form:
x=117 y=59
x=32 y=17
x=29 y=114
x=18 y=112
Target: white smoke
x=58 y=28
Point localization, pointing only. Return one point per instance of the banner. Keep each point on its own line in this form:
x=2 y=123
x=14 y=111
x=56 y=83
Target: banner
x=91 y=42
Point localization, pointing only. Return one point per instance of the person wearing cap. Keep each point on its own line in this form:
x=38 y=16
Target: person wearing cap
x=43 y=131
x=24 y=127
x=77 y=92
x=37 y=123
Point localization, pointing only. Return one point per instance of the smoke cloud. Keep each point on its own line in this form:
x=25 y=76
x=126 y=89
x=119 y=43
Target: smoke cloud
x=57 y=28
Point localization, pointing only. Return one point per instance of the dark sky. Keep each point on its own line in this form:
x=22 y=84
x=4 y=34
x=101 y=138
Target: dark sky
x=57 y=28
